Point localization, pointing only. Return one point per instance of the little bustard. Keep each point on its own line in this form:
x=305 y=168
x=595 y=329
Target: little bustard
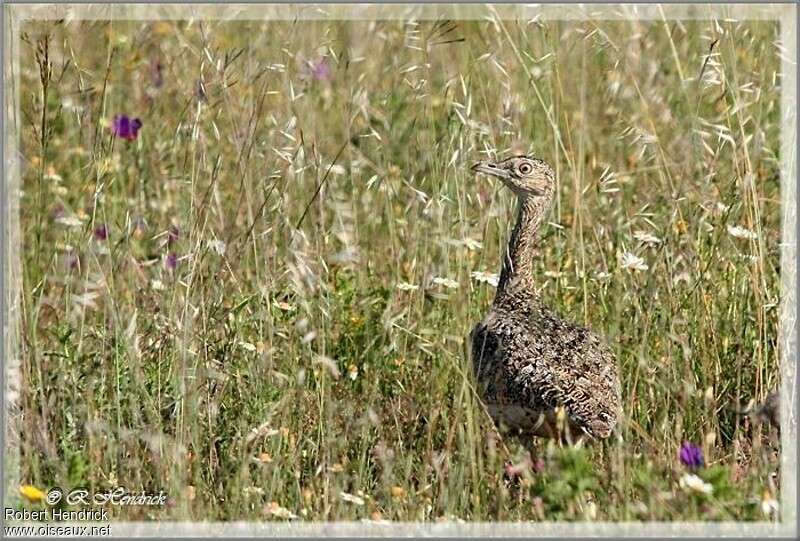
x=530 y=364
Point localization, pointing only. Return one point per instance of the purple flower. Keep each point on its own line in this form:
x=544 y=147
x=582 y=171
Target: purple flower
x=691 y=455
x=172 y=260
x=320 y=70
x=101 y=232
x=126 y=128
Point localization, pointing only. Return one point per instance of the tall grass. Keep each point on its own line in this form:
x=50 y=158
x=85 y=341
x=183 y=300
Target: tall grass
x=309 y=183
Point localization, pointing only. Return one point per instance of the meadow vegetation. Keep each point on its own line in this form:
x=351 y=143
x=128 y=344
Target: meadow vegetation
x=259 y=301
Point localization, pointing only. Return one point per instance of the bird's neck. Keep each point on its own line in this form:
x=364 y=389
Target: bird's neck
x=517 y=272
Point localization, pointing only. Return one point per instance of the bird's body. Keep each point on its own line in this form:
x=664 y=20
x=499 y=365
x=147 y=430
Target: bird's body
x=528 y=362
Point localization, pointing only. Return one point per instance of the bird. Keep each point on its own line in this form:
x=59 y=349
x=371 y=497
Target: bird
x=537 y=374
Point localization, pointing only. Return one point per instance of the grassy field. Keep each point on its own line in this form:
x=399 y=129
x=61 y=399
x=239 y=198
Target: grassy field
x=259 y=304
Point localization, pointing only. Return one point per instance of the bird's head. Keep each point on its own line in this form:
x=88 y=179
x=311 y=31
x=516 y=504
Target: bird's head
x=526 y=176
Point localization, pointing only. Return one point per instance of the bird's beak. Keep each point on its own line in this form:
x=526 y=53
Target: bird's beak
x=491 y=169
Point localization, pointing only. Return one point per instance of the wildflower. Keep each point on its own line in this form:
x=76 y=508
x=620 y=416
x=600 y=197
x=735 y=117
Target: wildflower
x=356 y=500
x=486 y=277
x=31 y=493
x=633 y=262
x=172 y=261
x=69 y=221
x=320 y=70
x=398 y=492
x=352 y=372
x=691 y=455
x=405 y=286
x=52 y=175
x=741 y=232
x=101 y=232
x=329 y=364
x=446 y=282
x=276 y=510
x=217 y=246
x=692 y=483
x=646 y=238
x=126 y=128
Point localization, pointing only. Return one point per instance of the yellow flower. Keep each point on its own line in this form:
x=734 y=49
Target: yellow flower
x=31 y=493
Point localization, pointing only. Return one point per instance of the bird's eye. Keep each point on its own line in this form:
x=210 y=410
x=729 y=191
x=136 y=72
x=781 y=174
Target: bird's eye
x=525 y=168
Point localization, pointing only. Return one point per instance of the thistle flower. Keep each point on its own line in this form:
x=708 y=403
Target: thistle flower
x=101 y=232
x=691 y=455
x=126 y=128
x=172 y=261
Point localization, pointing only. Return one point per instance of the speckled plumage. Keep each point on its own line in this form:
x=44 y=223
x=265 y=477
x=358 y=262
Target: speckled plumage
x=527 y=361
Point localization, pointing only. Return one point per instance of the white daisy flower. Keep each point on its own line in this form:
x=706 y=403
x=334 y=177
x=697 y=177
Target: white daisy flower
x=69 y=221
x=646 y=238
x=692 y=483
x=446 y=282
x=217 y=246
x=633 y=262
x=405 y=286
x=486 y=278
x=741 y=232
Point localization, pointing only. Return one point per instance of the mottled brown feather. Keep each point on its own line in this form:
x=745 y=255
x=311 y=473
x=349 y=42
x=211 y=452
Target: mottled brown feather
x=527 y=361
